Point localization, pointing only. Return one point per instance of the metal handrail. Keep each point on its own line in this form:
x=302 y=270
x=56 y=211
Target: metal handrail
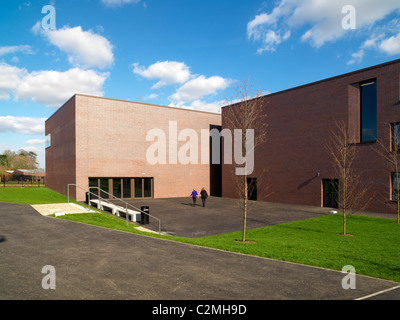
x=89 y=192
x=105 y=200
x=75 y=185
x=126 y=206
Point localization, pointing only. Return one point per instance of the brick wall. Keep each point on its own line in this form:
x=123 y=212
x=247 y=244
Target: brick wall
x=107 y=138
x=300 y=120
x=60 y=157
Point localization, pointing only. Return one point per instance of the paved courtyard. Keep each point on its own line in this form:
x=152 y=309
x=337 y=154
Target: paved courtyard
x=98 y=263
x=220 y=215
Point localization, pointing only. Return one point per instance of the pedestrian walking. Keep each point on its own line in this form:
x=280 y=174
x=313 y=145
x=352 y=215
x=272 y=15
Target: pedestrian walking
x=194 y=195
x=204 y=196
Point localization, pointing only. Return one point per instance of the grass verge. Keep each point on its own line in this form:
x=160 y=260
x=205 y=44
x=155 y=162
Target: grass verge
x=31 y=196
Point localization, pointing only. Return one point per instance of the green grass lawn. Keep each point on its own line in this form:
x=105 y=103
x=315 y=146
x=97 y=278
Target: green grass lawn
x=31 y=196
x=374 y=250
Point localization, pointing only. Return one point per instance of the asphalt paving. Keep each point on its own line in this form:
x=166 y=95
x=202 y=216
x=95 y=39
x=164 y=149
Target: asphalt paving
x=179 y=217
x=94 y=263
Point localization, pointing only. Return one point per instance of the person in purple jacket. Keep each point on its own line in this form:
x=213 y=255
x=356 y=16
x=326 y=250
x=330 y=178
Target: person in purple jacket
x=194 y=195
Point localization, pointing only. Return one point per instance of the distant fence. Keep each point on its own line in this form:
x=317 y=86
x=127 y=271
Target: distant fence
x=22 y=184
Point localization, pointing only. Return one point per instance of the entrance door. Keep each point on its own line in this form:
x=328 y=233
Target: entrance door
x=252 y=188
x=143 y=187
x=330 y=191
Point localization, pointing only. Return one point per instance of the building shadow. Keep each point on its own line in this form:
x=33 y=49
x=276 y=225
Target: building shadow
x=305 y=183
x=190 y=204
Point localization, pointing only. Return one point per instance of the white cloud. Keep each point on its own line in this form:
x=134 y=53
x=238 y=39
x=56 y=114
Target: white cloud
x=201 y=105
x=272 y=40
x=114 y=3
x=193 y=89
x=356 y=57
x=370 y=43
x=10 y=77
x=391 y=46
x=14 y=49
x=167 y=72
x=34 y=142
x=151 y=96
x=53 y=88
x=33 y=149
x=323 y=18
x=199 y=87
x=84 y=48
x=22 y=125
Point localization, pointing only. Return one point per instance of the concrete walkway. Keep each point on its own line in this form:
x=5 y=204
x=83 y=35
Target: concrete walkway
x=60 y=208
x=97 y=263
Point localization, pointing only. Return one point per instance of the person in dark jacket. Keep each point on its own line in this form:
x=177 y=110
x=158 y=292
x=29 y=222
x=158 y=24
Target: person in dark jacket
x=194 y=195
x=204 y=196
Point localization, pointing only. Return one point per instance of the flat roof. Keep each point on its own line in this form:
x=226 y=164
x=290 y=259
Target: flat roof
x=330 y=78
x=121 y=100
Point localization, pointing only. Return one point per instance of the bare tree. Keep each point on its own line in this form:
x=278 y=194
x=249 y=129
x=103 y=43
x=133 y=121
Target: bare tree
x=351 y=192
x=390 y=153
x=246 y=113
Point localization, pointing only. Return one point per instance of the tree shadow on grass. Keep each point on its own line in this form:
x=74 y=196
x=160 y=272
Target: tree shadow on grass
x=306 y=229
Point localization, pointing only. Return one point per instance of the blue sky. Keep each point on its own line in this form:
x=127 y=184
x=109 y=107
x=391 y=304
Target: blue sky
x=182 y=53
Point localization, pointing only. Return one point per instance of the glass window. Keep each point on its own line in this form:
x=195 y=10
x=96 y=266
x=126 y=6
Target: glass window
x=93 y=182
x=126 y=185
x=147 y=187
x=138 y=188
x=368 y=111
x=395 y=137
x=47 y=141
x=117 y=188
x=395 y=185
x=104 y=187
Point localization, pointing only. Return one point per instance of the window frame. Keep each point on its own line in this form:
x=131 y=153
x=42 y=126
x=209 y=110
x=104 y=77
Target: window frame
x=361 y=85
x=392 y=187
x=47 y=141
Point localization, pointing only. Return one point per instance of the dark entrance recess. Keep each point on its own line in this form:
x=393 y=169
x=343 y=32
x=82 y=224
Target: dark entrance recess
x=330 y=193
x=125 y=188
x=216 y=169
x=252 y=188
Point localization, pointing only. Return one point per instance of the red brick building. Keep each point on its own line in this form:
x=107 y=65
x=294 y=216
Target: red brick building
x=299 y=124
x=101 y=142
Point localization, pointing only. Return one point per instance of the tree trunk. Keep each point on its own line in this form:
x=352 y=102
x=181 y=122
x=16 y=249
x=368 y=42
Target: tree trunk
x=344 y=223
x=245 y=207
x=397 y=193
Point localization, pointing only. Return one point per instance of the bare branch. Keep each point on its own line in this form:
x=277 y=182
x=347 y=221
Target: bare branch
x=352 y=194
x=246 y=112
